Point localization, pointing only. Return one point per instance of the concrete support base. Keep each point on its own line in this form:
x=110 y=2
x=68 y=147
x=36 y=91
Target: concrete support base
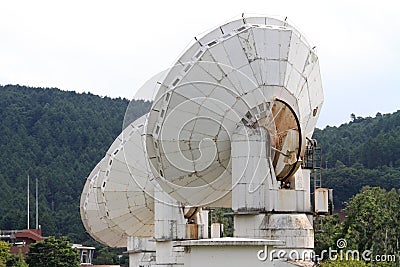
x=295 y=230
x=234 y=252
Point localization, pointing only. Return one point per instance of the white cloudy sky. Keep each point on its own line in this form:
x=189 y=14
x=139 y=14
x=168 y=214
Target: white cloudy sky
x=112 y=47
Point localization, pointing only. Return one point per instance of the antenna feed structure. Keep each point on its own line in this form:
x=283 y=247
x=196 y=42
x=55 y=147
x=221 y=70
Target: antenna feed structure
x=227 y=128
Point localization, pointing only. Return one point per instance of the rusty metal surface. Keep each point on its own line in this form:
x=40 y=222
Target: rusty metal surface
x=286 y=137
x=192 y=231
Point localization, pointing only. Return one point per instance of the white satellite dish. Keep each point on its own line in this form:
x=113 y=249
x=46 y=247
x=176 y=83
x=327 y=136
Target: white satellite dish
x=94 y=220
x=259 y=72
x=127 y=187
x=116 y=196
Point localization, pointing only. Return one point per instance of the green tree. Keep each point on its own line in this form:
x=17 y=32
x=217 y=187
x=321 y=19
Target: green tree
x=124 y=260
x=16 y=261
x=372 y=223
x=105 y=256
x=371 y=220
x=53 y=252
x=4 y=253
x=225 y=217
x=327 y=230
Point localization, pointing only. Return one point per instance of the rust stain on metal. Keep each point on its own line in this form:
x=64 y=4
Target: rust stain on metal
x=192 y=231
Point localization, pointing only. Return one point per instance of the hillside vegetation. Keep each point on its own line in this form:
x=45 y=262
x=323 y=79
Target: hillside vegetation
x=58 y=137
x=365 y=151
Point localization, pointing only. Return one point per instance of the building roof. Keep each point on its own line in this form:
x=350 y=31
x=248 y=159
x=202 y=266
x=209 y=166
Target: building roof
x=33 y=234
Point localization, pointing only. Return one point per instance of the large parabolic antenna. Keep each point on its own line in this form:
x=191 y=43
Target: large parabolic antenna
x=258 y=74
x=257 y=71
x=117 y=199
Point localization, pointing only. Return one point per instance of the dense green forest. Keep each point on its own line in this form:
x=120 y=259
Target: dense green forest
x=57 y=137
x=365 y=151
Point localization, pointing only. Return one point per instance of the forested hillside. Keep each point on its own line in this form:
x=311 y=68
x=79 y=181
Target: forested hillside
x=365 y=151
x=56 y=137
x=372 y=142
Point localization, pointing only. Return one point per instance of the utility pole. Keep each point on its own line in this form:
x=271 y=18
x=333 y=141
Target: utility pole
x=27 y=198
x=37 y=206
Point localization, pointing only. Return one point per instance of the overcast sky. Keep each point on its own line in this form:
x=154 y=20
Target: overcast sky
x=111 y=48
